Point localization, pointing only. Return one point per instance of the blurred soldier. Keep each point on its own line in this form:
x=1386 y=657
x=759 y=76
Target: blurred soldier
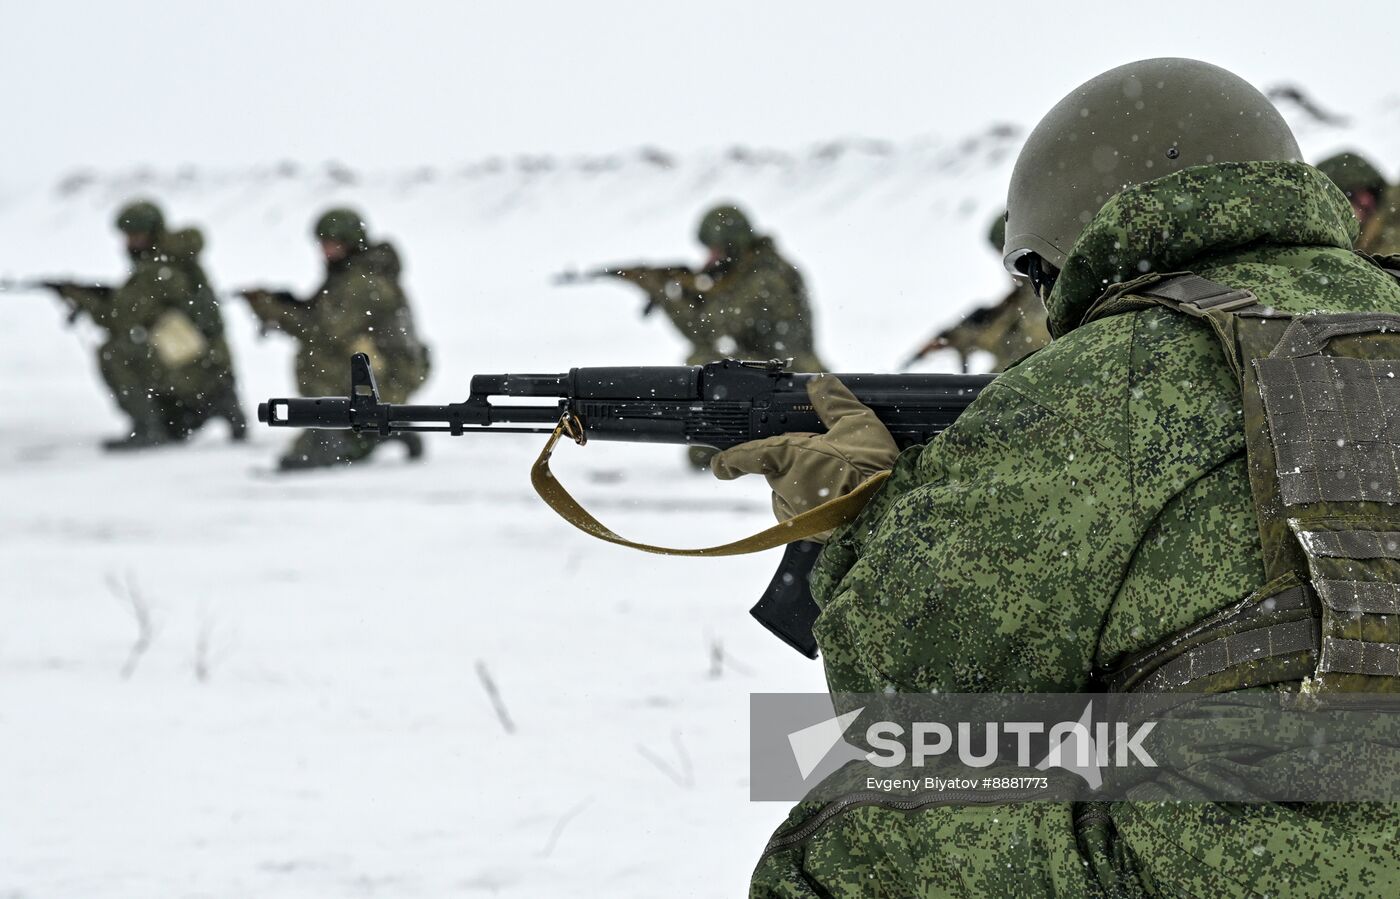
x=747 y=294
x=746 y=302
x=165 y=357
x=1373 y=201
x=1008 y=329
x=360 y=308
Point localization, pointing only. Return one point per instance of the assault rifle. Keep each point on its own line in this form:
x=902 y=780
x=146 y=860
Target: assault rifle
x=281 y=297
x=63 y=289
x=656 y=280
x=721 y=404
x=961 y=336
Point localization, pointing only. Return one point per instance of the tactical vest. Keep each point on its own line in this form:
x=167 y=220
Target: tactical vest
x=1321 y=404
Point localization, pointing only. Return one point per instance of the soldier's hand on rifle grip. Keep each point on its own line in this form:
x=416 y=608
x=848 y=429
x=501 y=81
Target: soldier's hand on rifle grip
x=806 y=470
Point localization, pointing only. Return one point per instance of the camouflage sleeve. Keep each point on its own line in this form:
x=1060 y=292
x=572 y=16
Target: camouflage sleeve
x=273 y=313
x=986 y=563
x=692 y=318
x=683 y=296
x=95 y=302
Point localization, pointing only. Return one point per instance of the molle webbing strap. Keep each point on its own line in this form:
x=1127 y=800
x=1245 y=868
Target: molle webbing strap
x=1239 y=660
x=1258 y=641
x=1359 y=596
x=1332 y=419
x=1335 y=424
x=1356 y=573
x=1351 y=544
x=1362 y=657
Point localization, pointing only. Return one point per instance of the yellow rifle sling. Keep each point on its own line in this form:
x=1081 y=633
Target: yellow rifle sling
x=814 y=521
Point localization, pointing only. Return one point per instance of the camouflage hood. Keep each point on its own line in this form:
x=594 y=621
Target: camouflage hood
x=761 y=250
x=379 y=259
x=1179 y=222
x=185 y=243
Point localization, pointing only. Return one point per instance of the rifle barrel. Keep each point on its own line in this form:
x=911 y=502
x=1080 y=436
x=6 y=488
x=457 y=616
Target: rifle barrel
x=720 y=404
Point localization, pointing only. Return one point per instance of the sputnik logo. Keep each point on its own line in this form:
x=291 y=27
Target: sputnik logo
x=811 y=745
x=1085 y=758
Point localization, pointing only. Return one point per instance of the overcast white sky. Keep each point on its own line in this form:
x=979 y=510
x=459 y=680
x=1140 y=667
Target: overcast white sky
x=379 y=84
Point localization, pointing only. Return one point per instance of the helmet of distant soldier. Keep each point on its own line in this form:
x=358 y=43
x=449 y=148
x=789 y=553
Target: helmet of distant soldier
x=1353 y=173
x=140 y=217
x=997 y=236
x=344 y=225
x=1132 y=124
x=725 y=229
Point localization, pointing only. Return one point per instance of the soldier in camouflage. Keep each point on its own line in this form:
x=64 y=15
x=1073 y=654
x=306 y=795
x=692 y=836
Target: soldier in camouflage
x=745 y=302
x=165 y=358
x=1007 y=329
x=749 y=302
x=1095 y=503
x=359 y=308
x=1374 y=201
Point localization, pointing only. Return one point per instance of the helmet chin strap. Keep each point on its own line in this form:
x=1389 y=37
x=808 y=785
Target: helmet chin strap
x=1042 y=276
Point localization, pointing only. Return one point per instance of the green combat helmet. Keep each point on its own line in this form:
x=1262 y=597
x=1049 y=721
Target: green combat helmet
x=140 y=217
x=726 y=229
x=1130 y=125
x=1353 y=173
x=344 y=225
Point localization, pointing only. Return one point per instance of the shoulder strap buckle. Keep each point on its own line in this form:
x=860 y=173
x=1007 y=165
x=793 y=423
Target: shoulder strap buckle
x=1200 y=296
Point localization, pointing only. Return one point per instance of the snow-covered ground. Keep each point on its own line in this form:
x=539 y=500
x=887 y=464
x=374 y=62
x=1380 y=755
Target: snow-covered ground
x=311 y=717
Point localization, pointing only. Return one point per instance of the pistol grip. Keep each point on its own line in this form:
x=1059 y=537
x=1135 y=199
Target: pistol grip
x=787 y=608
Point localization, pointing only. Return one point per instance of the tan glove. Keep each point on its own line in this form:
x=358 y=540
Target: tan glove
x=806 y=470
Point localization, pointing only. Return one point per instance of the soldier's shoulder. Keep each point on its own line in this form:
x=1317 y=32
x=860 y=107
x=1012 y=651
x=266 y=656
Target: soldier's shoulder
x=185 y=243
x=1095 y=375
x=1083 y=376
x=381 y=259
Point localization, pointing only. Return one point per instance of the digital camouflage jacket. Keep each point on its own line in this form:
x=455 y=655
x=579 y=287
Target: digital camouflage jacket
x=1093 y=501
x=359 y=308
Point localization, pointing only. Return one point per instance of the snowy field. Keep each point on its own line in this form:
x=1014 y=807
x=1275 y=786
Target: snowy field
x=311 y=717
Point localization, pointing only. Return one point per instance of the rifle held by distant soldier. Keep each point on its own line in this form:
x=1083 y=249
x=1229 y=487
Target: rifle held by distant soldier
x=284 y=297
x=76 y=295
x=957 y=337
x=660 y=282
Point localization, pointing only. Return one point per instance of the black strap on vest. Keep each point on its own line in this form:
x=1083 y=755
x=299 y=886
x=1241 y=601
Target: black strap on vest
x=1260 y=640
